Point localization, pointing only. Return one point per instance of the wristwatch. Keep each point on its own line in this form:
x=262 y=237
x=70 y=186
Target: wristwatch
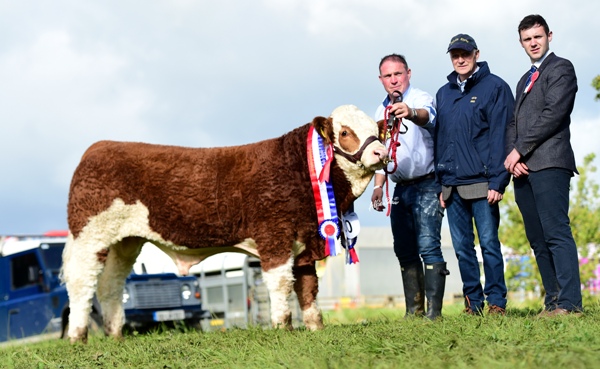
x=414 y=114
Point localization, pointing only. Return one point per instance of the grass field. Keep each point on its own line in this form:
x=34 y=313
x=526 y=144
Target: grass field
x=352 y=338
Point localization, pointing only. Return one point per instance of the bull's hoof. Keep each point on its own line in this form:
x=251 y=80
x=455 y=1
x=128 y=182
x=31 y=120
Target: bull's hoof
x=116 y=336
x=285 y=326
x=114 y=332
x=314 y=326
x=78 y=335
x=313 y=319
x=284 y=323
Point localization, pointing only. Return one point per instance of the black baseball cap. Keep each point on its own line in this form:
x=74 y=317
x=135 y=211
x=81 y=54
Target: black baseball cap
x=462 y=41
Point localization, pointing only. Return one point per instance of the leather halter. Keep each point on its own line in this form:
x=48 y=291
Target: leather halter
x=356 y=157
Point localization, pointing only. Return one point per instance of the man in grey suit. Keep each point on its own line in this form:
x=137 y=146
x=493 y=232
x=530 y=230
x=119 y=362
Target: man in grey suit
x=542 y=162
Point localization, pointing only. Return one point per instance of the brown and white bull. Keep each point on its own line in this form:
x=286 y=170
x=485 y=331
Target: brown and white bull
x=195 y=202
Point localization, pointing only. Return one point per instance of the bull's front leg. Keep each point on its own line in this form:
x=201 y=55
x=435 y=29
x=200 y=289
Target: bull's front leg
x=307 y=287
x=279 y=281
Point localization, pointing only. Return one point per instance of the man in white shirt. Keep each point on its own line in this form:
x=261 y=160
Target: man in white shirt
x=416 y=214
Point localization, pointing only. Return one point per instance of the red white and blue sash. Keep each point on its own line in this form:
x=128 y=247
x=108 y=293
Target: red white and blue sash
x=319 y=165
x=320 y=158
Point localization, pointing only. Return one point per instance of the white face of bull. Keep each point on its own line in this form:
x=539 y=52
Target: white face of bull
x=352 y=128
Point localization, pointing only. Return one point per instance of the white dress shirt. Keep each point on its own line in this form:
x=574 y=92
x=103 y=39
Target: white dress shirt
x=415 y=153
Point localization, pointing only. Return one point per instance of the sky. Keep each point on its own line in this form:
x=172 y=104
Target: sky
x=220 y=73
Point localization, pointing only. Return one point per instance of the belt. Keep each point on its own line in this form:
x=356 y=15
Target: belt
x=417 y=179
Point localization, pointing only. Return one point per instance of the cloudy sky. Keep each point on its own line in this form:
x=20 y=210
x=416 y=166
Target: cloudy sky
x=214 y=73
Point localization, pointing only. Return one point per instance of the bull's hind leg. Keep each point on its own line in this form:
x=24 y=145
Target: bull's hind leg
x=279 y=281
x=119 y=263
x=83 y=262
x=307 y=287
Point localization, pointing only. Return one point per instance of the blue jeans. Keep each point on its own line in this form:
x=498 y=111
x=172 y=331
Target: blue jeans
x=543 y=198
x=416 y=219
x=461 y=213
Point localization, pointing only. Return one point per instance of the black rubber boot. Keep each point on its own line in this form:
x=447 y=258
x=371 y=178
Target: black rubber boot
x=413 y=280
x=435 y=284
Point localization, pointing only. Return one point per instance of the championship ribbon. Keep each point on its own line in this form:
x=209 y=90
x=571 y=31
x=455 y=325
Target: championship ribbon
x=350 y=236
x=319 y=164
x=533 y=76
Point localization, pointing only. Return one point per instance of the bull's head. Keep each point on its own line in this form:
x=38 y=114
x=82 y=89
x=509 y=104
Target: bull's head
x=356 y=139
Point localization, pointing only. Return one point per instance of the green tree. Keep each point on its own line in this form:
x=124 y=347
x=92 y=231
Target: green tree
x=596 y=85
x=584 y=212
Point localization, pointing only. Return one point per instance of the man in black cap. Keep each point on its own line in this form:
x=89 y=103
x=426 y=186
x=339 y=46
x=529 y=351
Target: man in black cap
x=474 y=108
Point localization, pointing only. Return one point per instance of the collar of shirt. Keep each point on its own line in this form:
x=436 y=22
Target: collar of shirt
x=387 y=99
x=462 y=84
x=541 y=60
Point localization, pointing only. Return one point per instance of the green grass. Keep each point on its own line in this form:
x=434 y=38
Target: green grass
x=357 y=338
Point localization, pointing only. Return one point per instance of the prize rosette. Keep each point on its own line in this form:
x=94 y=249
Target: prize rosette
x=329 y=229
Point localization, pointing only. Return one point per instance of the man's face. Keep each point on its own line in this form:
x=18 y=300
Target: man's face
x=464 y=62
x=394 y=77
x=535 y=41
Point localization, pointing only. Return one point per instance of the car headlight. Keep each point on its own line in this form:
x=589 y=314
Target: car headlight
x=186 y=292
x=125 y=295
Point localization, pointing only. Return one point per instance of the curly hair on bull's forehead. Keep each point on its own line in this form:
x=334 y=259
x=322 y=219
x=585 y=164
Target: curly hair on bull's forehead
x=350 y=114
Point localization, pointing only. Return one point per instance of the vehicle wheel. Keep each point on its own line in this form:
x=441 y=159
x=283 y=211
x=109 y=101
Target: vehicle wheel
x=193 y=324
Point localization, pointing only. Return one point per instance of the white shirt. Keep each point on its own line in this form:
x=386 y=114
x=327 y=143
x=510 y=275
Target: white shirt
x=415 y=153
x=539 y=62
x=462 y=84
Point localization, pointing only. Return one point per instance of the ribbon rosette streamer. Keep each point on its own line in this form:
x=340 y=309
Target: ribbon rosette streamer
x=319 y=158
x=351 y=229
x=531 y=80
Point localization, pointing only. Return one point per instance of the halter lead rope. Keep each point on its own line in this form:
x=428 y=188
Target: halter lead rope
x=394 y=130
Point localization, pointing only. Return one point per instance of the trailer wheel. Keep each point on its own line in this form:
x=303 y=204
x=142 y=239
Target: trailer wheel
x=193 y=324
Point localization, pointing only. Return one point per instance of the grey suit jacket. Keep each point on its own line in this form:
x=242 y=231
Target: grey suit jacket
x=539 y=129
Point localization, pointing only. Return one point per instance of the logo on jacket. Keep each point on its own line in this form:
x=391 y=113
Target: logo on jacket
x=473 y=99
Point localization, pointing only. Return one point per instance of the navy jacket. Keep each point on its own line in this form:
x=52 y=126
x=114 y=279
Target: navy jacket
x=470 y=130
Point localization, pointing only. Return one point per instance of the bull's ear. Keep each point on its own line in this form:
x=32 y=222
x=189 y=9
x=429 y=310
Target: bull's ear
x=324 y=127
x=382 y=129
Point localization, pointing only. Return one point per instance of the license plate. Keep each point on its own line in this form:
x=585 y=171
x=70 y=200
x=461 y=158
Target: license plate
x=161 y=316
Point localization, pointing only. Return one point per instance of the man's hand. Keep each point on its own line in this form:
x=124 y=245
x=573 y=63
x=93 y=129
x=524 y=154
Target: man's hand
x=514 y=166
x=401 y=110
x=377 y=199
x=494 y=197
x=520 y=170
x=442 y=202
